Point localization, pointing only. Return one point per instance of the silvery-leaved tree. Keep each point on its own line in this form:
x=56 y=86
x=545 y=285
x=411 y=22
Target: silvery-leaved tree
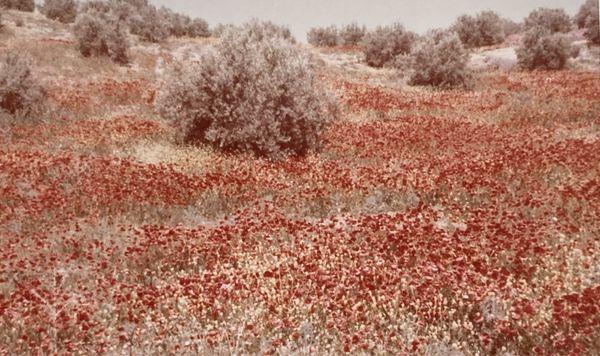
x=542 y=49
x=101 y=34
x=254 y=92
x=384 y=44
x=439 y=60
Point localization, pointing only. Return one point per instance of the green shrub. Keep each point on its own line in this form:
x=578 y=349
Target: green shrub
x=589 y=8
x=21 y=5
x=101 y=34
x=323 y=36
x=383 y=45
x=21 y=95
x=554 y=20
x=439 y=60
x=484 y=29
x=542 y=49
x=592 y=22
x=352 y=34
x=254 y=92
x=61 y=10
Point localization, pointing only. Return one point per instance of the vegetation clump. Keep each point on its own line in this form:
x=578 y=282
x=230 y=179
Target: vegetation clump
x=439 y=60
x=101 y=34
x=588 y=19
x=553 y=20
x=352 y=34
x=323 y=36
x=484 y=29
x=255 y=92
x=21 y=5
x=21 y=95
x=383 y=45
x=542 y=49
x=64 y=11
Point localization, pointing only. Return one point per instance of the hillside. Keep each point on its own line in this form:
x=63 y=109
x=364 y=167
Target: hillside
x=439 y=222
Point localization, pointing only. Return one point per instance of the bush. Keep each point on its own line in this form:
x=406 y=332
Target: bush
x=511 y=27
x=101 y=34
x=323 y=36
x=179 y=25
x=220 y=29
x=543 y=49
x=352 y=34
x=21 y=5
x=592 y=27
x=485 y=29
x=64 y=11
x=554 y=20
x=251 y=93
x=384 y=44
x=20 y=92
x=589 y=8
x=266 y=29
x=198 y=28
x=439 y=60
x=149 y=24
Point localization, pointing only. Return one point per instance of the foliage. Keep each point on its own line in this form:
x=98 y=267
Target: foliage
x=587 y=9
x=592 y=25
x=21 y=94
x=220 y=29
x=352 y=34
x=21 y=5
x=384 y=44
x=323 y=36
x=543 y=49
x=554 y=20
x=511 y=27
x=61 y=10
x=101 y=34
x=484 y=29
x=149 y=24
x=255 y=92
x=439 y=60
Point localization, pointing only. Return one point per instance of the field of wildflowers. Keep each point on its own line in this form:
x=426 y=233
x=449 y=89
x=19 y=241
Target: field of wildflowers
x=433 y=222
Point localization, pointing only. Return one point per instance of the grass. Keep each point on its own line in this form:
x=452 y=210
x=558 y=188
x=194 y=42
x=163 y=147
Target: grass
x=433 y=222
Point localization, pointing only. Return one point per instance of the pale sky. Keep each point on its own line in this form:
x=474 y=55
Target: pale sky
x=301 y=15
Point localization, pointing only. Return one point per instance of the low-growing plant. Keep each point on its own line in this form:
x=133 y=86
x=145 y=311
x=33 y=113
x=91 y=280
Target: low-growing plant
x=352 y=34
x=101 y=34
x=554 y=20
x=484 y=29
x=21 y=95
x=542 y=49
x=21 y=5
x=384 y=44
x=439 y=60
x=254 y=92
x=323 y=36
x=61 y=10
